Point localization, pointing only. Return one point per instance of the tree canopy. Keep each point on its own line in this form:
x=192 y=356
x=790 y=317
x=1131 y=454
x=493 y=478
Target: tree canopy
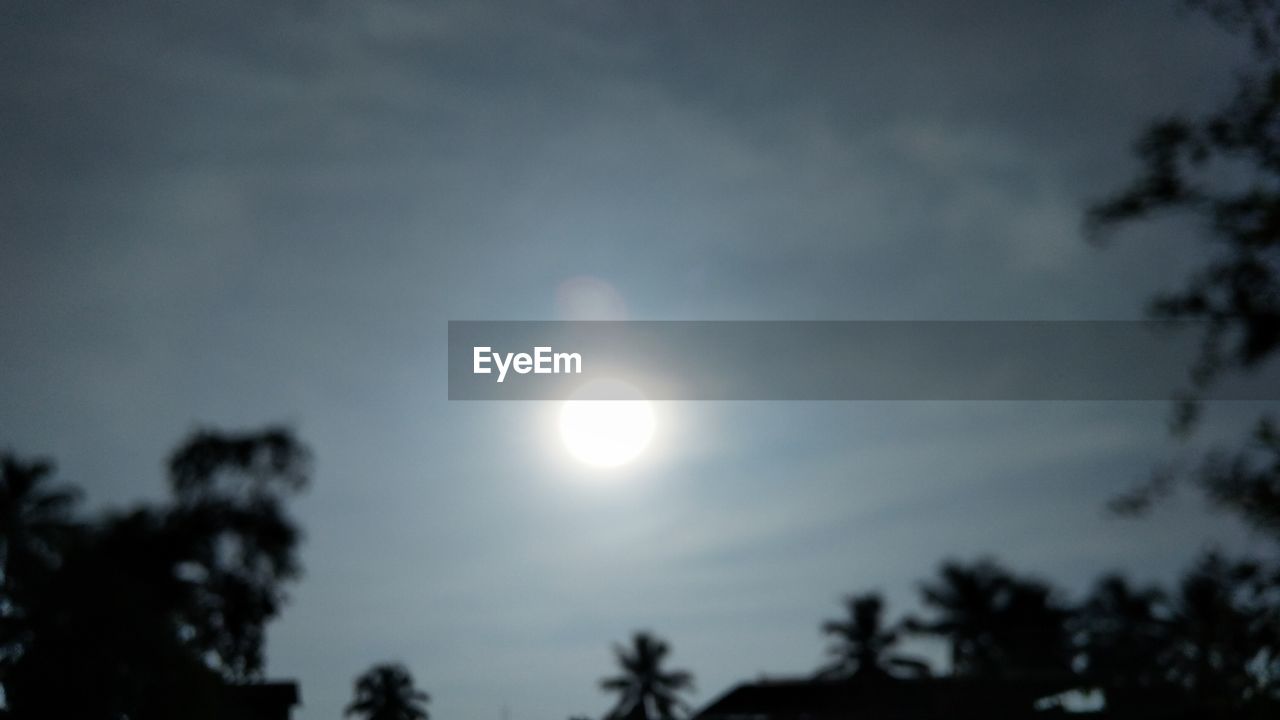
x=1223 y=169
x=645 y=689
x=148 y=613
x=862 y=643
x=387 y=692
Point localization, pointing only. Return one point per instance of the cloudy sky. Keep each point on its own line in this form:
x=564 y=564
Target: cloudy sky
x=220 y=213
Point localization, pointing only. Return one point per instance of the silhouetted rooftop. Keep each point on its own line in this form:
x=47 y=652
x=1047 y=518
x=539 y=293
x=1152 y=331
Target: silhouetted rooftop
x=263 y=701
x=880 y=698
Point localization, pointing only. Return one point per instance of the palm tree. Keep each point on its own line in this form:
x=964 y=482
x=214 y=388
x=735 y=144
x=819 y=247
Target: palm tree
x=966 y=602
x=862 y=643
x=386 y=692
x=996 y=623
x=35 y=520
x=645 y=690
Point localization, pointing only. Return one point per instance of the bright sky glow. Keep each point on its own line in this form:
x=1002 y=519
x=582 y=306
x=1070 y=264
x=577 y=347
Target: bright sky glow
x=606 y=433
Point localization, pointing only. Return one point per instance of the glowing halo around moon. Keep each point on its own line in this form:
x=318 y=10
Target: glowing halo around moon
x=606 y=433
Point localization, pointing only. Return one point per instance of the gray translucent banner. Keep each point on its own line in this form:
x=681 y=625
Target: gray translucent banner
x=830 y=360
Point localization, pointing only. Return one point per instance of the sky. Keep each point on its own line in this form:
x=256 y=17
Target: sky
x=228 y=214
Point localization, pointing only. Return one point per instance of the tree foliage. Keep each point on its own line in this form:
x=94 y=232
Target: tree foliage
x=996 y=623
x=148 y=613
x=1223 y=168
x=1120 y=631
x=862 y=644
x=1209 y=647
x=644 y=688
x=387 y=692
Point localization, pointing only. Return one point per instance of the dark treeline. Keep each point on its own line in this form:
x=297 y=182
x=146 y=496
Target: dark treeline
x=1207 y=647
x=153 y=612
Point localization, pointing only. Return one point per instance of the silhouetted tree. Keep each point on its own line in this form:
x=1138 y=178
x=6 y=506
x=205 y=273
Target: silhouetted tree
x=1225 y=169
x=1239 y=291
x=1032 y=630
x=104 y=638
x=150 y=612
x=35 y=520
x=1212 y=648
x=386 y=692
x=1124 y=634
x=996 y=624
x=242 y=546
x=1226 y=648
x=644 y=688
x=35 y=527
x=1247 y=480
x=861 y=643
x=964 y=601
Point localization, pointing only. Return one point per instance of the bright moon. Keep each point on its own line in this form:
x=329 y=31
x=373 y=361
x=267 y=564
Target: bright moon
x=606 y=433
